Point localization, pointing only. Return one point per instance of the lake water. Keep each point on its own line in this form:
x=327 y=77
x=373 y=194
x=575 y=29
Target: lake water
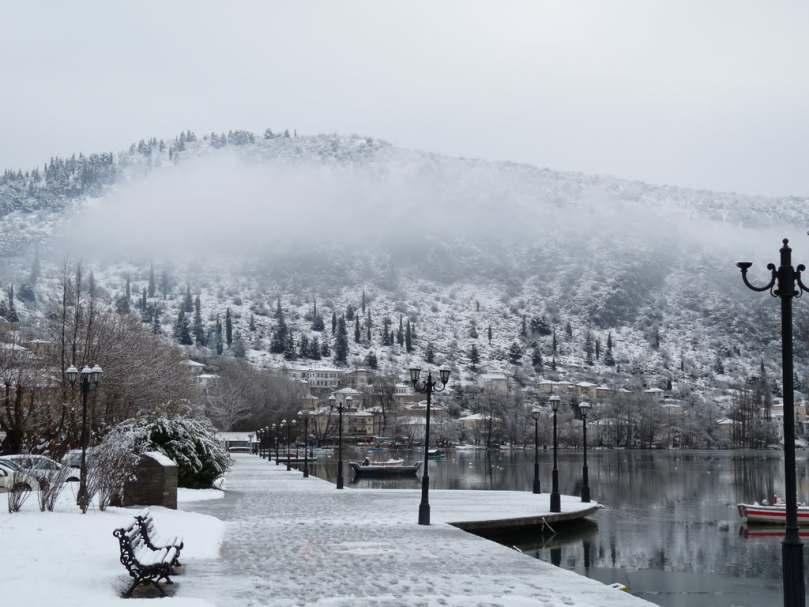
x=671 y=532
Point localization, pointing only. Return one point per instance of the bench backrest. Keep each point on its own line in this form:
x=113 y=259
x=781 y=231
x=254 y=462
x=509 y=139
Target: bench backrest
x=129 y=540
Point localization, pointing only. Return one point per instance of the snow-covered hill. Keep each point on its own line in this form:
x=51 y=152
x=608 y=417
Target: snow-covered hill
x=454 y=245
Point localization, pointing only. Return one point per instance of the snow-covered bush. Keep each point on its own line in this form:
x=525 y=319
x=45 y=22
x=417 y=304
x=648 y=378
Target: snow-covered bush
x=188 y=441
x=113 y=464
x=51 y=486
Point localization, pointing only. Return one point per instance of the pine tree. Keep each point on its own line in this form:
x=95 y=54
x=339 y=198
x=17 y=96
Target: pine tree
x=588 y=348
x=218 y=343
x=238 y=348
x=536 y=358
x=363 y=300
x=408 y=337
x=554 y=344
x=356 y=329
x=568 y=331
x=350 y=312
x=598 y=349
x=429 y=353
x=156 y=328
x=341 y=342
x=182 y=331
x=314 y=348
x=368 y=326
x=290 y=353
x=371 y=360
x=12 y=309
x=165 y=283
x=303 y=346
x=325 y=350
x=122 y=305
x=151 y=281
x=386 y=337
x=515 y=354
x=489 y=334
x=228 y=328
x=317 y=318
x=400 y=338
x=609 y=359
x=198 y=329
x=278 y=343
x=188 y=302
x=334 y=322
x=474 y=356
x=252 y=325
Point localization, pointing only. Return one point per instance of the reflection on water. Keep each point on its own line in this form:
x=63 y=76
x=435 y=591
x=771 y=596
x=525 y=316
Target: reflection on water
x=670 y=533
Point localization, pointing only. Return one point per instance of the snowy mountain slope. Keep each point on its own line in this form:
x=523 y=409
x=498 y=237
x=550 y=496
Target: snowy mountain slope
x=446 y=242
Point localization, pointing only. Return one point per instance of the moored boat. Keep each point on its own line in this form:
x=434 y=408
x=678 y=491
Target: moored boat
x=392 y=467
x=760 y=514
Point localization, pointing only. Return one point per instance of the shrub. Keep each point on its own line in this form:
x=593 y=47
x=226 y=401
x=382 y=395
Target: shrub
x=51 y=486
x=18 y=491
x=189 y=442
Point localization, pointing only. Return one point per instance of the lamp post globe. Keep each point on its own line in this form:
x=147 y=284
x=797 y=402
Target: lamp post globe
x=535 y=413
x=584 y=409
x=556 y=502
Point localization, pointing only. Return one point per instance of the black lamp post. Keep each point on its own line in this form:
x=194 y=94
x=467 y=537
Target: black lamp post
x=340 y=408
x=584 y=407
x=90 y=377
x=289 y=444
x=284 y=427
x=260 y=442
x=427 y=387
x=535 y=412
x=782 y=284
x=275 y=439
x=305 y=416
x=556 y=502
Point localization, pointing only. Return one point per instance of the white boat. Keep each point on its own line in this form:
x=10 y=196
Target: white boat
x=760 y=514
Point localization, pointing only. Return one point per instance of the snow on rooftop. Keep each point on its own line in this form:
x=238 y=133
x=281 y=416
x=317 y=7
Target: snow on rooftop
x=161 y=459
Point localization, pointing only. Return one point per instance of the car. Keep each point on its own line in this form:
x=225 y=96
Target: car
x=72 y=459
x=39 y=466
x=11 y=472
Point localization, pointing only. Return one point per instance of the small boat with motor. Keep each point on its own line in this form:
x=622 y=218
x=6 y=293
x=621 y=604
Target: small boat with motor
x=770 y=514
x=391 y=467
x=435 y=453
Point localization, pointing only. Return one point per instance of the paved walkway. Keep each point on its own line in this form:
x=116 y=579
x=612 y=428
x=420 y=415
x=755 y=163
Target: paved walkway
x=295 y=541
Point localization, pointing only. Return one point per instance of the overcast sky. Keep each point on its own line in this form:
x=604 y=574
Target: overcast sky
x=695 y=93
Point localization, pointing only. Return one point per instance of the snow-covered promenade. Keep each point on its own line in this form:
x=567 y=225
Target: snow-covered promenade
x=295 y=541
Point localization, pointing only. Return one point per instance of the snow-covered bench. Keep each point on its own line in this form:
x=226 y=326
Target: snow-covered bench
x=147 y=532
x=144 y=563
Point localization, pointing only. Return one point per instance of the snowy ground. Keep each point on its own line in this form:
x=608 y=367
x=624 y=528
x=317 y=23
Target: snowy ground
x=294 y=541
x=68 y=559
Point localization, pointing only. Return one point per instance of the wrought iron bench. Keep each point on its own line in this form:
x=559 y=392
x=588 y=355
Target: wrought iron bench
x=147 y=531
x=143 y=564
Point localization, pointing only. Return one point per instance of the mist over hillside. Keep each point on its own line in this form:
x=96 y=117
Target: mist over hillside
x=449 y=243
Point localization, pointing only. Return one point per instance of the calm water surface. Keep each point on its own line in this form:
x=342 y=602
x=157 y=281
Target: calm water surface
x=670 y=533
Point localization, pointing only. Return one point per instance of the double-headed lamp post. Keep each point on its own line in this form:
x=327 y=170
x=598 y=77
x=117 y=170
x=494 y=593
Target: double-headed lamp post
x=340 y=408
x=556 y=502
x=785 y=283
x=535 y=413
x=305 y=416
x=427 y=387
x=290 y=425
x=584 y=407
x=275 y=440
x=90 y=377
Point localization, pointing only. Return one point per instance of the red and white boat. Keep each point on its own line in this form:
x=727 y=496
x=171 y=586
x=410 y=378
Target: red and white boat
x=759 y=514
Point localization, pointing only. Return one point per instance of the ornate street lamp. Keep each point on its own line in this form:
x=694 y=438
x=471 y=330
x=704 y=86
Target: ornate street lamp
x=275 y=440
x=90 y=378
x=584 y=407
x=290 y=425
x=427 y=387
x=782 y=284
x=284 y=426
x=535 y=413
x=340 y=409
x=305 y=416
x=556 y=502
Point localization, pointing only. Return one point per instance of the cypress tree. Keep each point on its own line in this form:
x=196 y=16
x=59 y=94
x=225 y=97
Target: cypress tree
x=325 y=350
x=536 y=359
x=228 y=328
x=400 y=333
x=408 y=337
x=515 y=354
x=489 y=334
x=474 y=356
x=238 y=348
x=588 y=348
x=252 y=325
x=314 y=348
x=341 y=343
x=609 y=360
x=156 y=328
x=151 y=281
x=363 y=300
x=368 y=326
x=12 y=310
x=357 y=329
x=188 y=302
x=198 y=330
x=219 y=345
x=334 y=322
x=429 y=353
x=182 y=331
